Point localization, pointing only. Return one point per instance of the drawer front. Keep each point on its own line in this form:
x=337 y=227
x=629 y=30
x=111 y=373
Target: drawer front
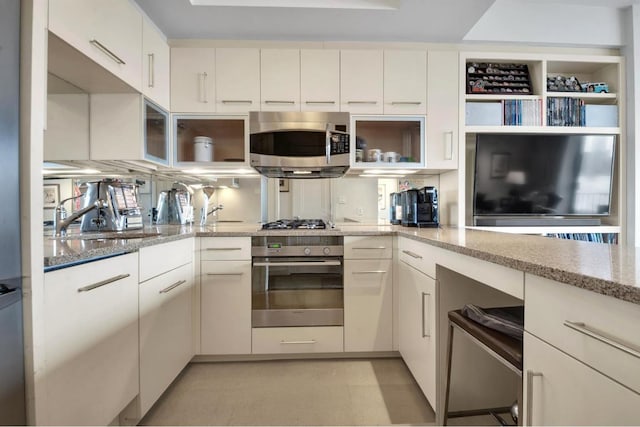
x=599 y=330
x=416 y=255
x=158 y=259
x=319 y=339
x=368 y=247
x=225 y=248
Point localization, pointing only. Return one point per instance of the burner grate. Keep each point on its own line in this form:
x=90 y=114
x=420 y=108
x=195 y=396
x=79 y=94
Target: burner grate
x=292 y=224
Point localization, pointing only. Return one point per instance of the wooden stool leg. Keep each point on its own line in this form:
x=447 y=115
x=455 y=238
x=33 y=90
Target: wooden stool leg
x=448 y=383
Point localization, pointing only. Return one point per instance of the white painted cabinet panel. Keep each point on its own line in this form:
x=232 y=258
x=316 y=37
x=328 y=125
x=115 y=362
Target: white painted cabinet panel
x=368 y=247
x=316 y=339
x=564 y=391
x=91 y=341
x=237 y=80
x=110 y=33
x=319 y=80
x=405 y=82
x=67 y=133
x=166 y=331
x=280 y=80
x=158 y=259
x=442 y=110
x=156 y=65
x=361 y=81
x=368 y=305
x=417 y=327
x=193 y=80
x=225 y=307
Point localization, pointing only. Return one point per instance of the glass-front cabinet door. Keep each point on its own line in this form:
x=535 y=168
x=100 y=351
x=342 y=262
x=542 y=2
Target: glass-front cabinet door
x=156 y=133
x=211 y=139
x=395 y=142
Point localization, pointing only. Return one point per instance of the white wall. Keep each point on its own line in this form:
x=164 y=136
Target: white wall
x=549 y=23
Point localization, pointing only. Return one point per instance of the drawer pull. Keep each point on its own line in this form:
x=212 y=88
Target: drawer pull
x=170 y=288
x=412 y=254
x=237 y=101
x=584 y=329
x=406 y=102
x=151 y=57
x=299 y=342
x=370 y=272
x=372 y=248
x=279 y=102
x=102 y=283
x=225 y=274
x=107 y=52
x=296 y=264
x=424 y=317
x=320 y=102
x=530 y=376
x=224 y=249
x=363 y=102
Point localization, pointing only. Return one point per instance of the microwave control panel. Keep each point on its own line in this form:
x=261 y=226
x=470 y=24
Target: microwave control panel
x=339 y=143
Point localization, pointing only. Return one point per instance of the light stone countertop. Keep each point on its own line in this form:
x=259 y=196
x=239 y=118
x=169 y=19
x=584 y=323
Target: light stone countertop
x=611 y=270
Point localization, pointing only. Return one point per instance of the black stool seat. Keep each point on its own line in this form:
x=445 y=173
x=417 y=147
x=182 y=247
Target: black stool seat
x=507 y=347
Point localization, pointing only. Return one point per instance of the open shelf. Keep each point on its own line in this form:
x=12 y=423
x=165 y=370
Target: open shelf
x=552 y=229
x=576 y=130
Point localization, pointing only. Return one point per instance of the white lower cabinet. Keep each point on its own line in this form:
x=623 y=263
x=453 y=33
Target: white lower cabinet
x=560 y=390
x=225 y=307
x=417 y=327
x=166 y=338
x=90 y=341
x=315 y=339
x=368 y=305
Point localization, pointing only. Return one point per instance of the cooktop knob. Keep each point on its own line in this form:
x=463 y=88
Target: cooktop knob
x=326 y=251
x=307 y=251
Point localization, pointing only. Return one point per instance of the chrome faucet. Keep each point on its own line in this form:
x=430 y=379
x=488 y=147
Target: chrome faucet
x=61 y=221
x=217 y=208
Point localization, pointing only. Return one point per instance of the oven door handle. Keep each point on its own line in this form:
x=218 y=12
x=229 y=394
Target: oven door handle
x=295 y=263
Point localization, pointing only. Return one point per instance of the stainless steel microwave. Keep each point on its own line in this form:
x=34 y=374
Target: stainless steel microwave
x=299 y=144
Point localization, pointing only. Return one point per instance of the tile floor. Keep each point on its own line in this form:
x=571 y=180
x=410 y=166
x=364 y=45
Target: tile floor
x=293 y=392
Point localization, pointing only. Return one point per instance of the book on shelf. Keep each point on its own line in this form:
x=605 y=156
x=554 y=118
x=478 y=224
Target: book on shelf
x=610 y=238
x=522 y=112
x=565 y=112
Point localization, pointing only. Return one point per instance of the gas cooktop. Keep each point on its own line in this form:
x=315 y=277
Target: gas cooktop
x=290 y=224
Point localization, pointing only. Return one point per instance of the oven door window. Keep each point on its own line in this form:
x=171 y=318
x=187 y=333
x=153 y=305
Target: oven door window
x=297 y=291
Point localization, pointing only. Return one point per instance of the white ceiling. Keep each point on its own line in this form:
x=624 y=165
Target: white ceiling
x=440 y=21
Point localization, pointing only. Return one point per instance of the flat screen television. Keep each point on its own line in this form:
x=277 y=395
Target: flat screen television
x=543 y=175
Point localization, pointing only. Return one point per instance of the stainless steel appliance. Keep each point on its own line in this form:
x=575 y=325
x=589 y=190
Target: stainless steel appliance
x=12 y=391
x=122 y=211
x=297 y=281
x=174 y=206
x=289 y=224
x=395 y=208
x=427 y=207
x=409 y=208
x=299 y=144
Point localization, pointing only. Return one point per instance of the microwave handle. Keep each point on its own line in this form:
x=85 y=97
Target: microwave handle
x=328 y=143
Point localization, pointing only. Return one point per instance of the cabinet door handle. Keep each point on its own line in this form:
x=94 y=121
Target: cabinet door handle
x=412 y=254
x=320 y=102
x=611 y=341
x=103 y=282
x=223 y=249
x=424 y=316
x=363 y=102
x=374 y=248
x=172 y=287
x=225 y=274
x=448 y=145
x=406 y=102
x=107 y=51
x=203 y=92
x=279 y=102
x=151 y=70
x=530 y=376
x=370 y=272
x=237 y=101
x=299 y=342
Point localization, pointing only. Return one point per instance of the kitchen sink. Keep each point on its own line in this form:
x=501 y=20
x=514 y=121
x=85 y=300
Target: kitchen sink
x=108 y=235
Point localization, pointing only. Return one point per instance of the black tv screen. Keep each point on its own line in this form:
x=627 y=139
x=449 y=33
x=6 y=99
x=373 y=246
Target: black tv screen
x=548 y=175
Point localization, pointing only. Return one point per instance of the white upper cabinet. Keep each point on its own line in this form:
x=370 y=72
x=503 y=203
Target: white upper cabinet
x=193 y=80
x=237 y=80
x=442 y=110
x=155 y=65
x=319 y=80
x=405 y=82
x=110 y=33
x=361 y=81
x=280 y=80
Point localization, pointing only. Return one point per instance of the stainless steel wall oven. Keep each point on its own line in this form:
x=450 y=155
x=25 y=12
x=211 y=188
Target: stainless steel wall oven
x=297 y=281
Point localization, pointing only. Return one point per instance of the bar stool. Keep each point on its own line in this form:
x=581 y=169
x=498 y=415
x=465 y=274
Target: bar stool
x=500 y=345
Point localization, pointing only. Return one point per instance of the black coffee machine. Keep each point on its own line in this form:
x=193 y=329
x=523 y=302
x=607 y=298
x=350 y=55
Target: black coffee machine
x=420 y=207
